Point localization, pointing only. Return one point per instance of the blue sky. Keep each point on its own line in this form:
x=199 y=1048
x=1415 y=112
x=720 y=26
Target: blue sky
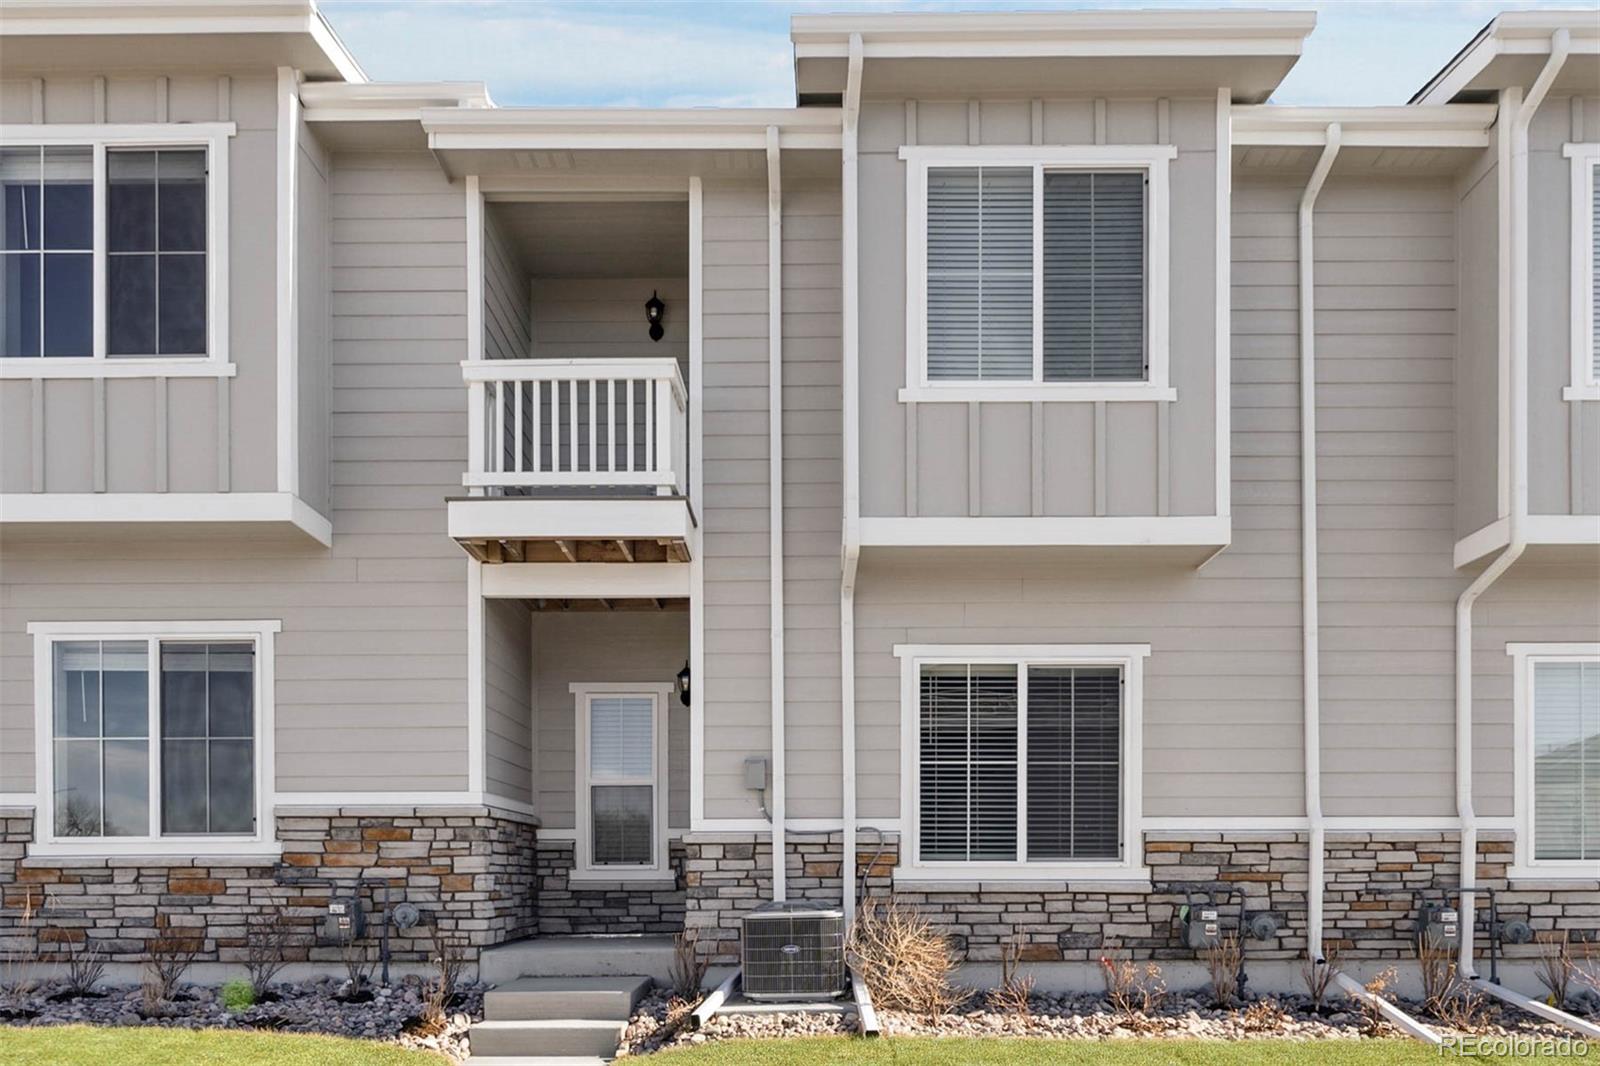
x=736 y=53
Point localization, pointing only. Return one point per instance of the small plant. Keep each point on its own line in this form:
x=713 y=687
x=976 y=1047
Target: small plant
x=1130 y=990
x=905 y=963
x=268 y=942
x=20 y=974
x=449 y=958
x=238 y=994
x=358 y=966
x=1014 y=993
x=688 y=967
x=1223 y=960
x=84 y=964
x=1555 y=968
x=1379 y=990
x=1263 y=1016
x=170 y=956
x=1445 y=993
x=1318 y=974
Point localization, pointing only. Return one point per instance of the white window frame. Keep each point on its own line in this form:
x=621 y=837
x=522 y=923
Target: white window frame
x=1129 y=657
x=214 y=138
x=1585 y=159
x=1524 y=657
x=584 y=868
x=1152 y=159
x=47 y=634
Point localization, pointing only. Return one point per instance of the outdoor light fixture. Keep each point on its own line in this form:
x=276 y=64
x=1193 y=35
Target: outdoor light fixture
x=654 y=309
x=683 y=682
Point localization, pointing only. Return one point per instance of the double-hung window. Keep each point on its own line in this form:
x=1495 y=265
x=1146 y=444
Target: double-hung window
x=153 y=735
x=1037 y=273
x=621 y=784
x=1557 y=746
x=112 y=249
x=1021 y=762
x=1585 y=289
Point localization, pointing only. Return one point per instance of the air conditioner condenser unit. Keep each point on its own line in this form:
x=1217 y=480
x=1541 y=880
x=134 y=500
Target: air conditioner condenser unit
x=794 y=950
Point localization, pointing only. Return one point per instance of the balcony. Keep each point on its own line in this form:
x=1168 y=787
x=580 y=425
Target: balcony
x=575 y=460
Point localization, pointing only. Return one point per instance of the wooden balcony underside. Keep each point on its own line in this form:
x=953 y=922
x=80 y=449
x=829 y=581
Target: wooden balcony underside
x=578 y=550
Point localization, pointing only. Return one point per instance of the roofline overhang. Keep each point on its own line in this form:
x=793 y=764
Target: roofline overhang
x=82 y=18
x=1054 y=34
x=331 y=101
x=1512 y=33
x=686 y=129
x=1408 y=126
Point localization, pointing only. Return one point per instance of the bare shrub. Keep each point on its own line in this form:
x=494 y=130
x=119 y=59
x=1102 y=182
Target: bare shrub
x=1319 y=974
x=1223 y=959
x=85 y=965
x=1263 y=1016
x=21 y=970
x=1446 y=994
x=904 y=961
x=1379 y=990
x=449 y=958
x=1015 y=991
x=171 y=954
x=688 y=971
x=267 y=943
x=1555 y=967
x=358 y=965
x=1130 y=989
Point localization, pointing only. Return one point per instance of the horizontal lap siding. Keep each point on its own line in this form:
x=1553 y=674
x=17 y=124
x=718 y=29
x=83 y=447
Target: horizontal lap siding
x=1477 y=368
x=508 y=695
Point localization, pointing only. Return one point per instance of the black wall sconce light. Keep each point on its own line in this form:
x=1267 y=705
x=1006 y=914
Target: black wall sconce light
x=683 y=684
x=654 y=311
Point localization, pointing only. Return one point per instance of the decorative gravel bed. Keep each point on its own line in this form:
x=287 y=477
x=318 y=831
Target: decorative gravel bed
x=392 y=1014
x=1069 y=1016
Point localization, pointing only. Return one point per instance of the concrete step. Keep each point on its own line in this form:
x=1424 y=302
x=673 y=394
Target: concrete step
x=530 y=999
x=578 y=956
x=546 y=1038
x=537 y=1060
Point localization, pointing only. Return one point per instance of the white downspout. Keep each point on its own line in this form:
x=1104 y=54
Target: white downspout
x=1311 y=666
x=1516 y=533
x=850 y=330
x=780 y=855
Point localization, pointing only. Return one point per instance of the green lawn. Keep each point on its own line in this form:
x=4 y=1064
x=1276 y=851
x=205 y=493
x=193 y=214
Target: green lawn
x=80 y=1045
x=954 y=1051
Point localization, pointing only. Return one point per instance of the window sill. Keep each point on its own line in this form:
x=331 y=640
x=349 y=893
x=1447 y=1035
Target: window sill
x=634 y=879
x=1578 y=393
x=1574 y=875
x=1041 y=878
x=116 y=368
x=1028 y=392
x=157 y=852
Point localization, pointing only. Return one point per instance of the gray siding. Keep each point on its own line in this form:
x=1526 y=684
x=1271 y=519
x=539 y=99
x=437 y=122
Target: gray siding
x=609 y=646
x=1563 y=436
x=508 y=699
x=505 y=294
x=936 y=467
x=603 y=318
x=1477 y=371
x=313 y=238
x=104 y=435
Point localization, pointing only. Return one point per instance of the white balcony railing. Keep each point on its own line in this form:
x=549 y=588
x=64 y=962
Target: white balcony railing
x=577 y=424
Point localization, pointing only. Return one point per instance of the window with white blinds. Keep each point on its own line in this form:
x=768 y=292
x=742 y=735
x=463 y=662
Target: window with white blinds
x=1036 y=274
x=1566 y=761
x=1019 y=762
x=620 y=802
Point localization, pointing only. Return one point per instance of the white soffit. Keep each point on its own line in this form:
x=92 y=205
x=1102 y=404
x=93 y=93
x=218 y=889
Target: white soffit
x=1511 y=50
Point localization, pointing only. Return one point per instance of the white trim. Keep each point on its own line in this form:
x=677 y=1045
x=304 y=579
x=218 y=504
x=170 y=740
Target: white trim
x=1128 y=657
x=1222 y=349
x=18 y=508
x=1554 y=529
x=584 y=868
x=697 y=574
x=475 y=220
x=128 y=134
x=459 y=799
x=474 y=129
x=850 y=411
x=91 y=367
x=534 y=518
x=1407 y=126
x=775 y=620
x=1174 y=530
x=286 y=299
x=261 y=634
x=477 y=679
x=587 y=580
x=1152 y=159
x=1585 y=158
x=1525 y=656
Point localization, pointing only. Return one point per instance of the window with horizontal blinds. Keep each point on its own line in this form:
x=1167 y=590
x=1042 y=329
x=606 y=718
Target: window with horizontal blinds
x=1594 y=275
x=980 y=273
x=622 y=785
x=1074 y=752
x=1003 y=745
x=1566 y=761
x=1094 y=276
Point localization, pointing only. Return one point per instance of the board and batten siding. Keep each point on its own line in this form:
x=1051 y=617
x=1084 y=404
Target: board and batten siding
x=648 y=647
x=371 y=660
x=116 y=445
x=935 y=467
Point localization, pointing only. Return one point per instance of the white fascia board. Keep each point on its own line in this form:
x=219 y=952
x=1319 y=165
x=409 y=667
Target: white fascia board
x=629 y=128
x=1511 y=33
x=1556 y=529
x=1173 y=531
x=562 y=518
x=560 y=581
x=333 y=101
x=1434 y=126
x=110 y=508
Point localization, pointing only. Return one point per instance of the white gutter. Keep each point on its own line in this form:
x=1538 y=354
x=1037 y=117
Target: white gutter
x=850 y=329
x=775 y=496
x=1311 y=662
x=1517 y=538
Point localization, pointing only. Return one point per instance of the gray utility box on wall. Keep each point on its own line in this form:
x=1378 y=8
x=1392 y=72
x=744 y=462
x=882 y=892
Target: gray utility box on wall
x=794 y=951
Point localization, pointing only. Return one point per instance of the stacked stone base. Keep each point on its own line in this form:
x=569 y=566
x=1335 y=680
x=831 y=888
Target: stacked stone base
x=1374 y=883
x=469 y=870
x=568 y=907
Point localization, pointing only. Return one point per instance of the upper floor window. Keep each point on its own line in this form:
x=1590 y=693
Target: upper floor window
x=1585 y=285
x=107 y=246
x=1557 y=746
x=1040 y=271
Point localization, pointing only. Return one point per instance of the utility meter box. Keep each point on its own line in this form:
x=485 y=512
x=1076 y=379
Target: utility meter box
x=346 y=920
x=1202 y=925
x=1441 y=925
